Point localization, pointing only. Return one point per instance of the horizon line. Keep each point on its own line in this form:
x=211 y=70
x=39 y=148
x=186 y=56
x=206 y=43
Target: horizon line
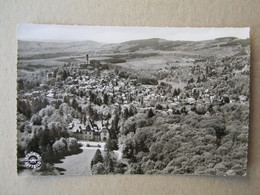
x=82 y=40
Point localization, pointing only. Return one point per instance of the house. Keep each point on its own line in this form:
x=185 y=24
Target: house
x=90 y=131
x=190 y=101
x=50 y=75
x=76 y=129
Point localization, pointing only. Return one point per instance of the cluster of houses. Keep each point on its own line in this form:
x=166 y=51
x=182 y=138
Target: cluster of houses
x=124 y=91
x=121 y=90
x=90 y=131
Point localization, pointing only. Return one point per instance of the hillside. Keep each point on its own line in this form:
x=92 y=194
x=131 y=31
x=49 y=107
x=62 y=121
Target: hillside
x=208 y=47
x=46 y=53
x=54 y=53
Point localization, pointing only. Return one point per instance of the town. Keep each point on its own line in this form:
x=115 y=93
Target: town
x=99 y=101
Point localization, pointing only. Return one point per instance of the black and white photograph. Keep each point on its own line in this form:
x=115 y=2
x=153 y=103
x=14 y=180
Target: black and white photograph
x=113 y=100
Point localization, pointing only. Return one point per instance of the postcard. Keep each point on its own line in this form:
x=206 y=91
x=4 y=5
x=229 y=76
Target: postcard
x=95 y=100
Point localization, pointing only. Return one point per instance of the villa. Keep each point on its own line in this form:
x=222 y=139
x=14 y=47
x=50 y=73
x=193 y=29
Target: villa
x=90 y=131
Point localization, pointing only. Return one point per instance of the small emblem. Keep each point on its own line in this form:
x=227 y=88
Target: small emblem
x=33 y=160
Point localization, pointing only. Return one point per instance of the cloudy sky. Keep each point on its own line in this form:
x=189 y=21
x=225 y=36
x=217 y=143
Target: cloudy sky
x=120 y=34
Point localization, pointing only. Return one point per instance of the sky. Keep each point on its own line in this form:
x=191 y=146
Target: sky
x=117 y=34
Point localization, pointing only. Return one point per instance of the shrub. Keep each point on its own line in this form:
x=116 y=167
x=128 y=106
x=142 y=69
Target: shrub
x=59 y=146
x=72 y=144
x=98 y=158
x=98 y=169
x=135 y=168
x=36 y=120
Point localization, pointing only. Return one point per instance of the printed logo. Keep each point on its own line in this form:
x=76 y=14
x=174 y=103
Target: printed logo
x=33 y=160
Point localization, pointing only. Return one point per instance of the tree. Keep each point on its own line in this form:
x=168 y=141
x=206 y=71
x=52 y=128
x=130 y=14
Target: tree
x=56 y=103
x=125 y=113
x=66 y=100
x=92 y=96
x=20 y=84
x=38 y=104
x=33 y=145
x=175 y=93
x=111 y=144
x=158 y=106
x=143 y=140
x=220 y=132
x=129 y=149
x=98 y=158
x=36 y=120
x=184 y=110
x=114 y=130
x=105 y=98
x=132 y=110
x=109 y=162
x=191 y=81
x=59 y=146
x=74 y=104
x=64 y=75
x=198 y=80
x=135 y=168
x=98 y=101
x=90 y=111
x=178 y=91
x=24 y=107
x=116 y=71
x=200 y=109
x=98 y=169
x=72 y=144
x=44 y=138
x=48 y=156
x=196 y=94
x=225 y=99
x=150 y=113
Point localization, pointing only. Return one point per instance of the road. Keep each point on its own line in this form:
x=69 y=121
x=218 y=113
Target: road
x=78 y=164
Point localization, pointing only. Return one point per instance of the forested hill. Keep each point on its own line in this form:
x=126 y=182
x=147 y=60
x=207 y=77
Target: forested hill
x=227 y=44
x=58 y=53
x=37 y=47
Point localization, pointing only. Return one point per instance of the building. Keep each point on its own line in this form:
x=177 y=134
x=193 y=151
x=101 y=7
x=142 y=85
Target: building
x=90 y=131
x=104 y=134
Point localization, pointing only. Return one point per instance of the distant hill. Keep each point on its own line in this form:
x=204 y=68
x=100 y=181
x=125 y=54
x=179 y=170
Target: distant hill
x=154 y=44
x=39 y=47
x=54 y=53
x=57 y=53
x=166 y=45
